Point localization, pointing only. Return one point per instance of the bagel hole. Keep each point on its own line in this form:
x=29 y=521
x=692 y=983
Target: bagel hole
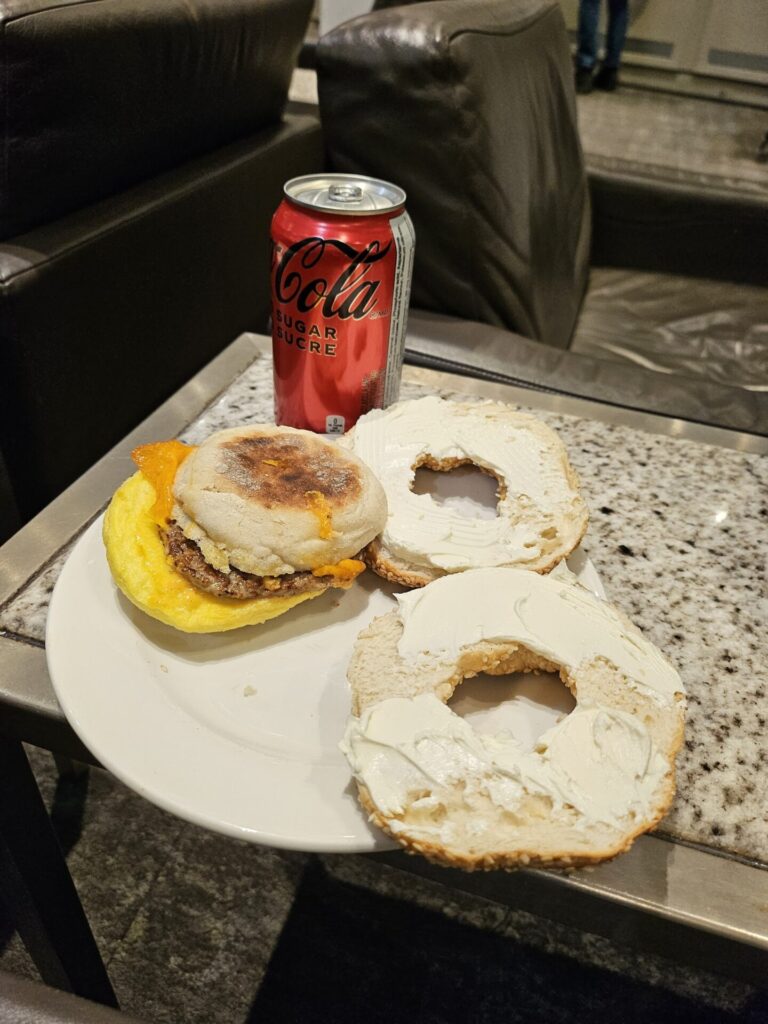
x=466 y=490
x=523 y=704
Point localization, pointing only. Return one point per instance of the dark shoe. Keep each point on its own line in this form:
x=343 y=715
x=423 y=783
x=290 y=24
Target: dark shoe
x=607 y=79
x=583 y=80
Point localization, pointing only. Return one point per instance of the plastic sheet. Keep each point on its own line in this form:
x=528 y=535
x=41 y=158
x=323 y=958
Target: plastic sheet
x=677 y=325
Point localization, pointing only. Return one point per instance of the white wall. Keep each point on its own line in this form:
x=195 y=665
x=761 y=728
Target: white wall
x=333 y=12
x=726 y=38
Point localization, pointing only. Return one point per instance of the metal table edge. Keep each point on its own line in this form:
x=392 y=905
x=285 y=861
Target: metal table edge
x=571 y=405
x=677 y=884
x=42 y=538
x=29 y=550
x=721 y=895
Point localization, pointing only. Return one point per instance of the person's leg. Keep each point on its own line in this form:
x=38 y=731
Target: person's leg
x=618 y=16
x=589 y=15
x=607 y=77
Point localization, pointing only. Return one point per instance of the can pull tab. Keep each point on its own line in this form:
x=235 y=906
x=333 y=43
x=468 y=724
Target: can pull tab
x=345 y=193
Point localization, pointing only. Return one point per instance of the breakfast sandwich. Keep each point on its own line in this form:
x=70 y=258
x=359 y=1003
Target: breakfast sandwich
x=242 y=528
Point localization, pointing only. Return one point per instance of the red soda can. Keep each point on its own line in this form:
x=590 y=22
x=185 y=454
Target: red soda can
x=342 y=260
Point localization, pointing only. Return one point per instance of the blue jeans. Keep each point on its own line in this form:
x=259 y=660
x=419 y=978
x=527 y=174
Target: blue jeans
x=589 y=14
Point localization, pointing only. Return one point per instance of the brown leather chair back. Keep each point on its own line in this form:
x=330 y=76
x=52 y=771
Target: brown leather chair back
x=143 y=151
x=101 y=95
x=469 y=105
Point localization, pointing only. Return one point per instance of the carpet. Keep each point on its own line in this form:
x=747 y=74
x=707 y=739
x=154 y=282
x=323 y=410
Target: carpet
x=348 y=955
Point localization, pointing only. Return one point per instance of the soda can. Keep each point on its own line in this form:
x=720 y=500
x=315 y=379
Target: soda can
x=342 y=261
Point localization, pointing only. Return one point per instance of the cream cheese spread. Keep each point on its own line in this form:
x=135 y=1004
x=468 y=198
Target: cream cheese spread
x=598 y=766
x=516 y=448
x=553 y=617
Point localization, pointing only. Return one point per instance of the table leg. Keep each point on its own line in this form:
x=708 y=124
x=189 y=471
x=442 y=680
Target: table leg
x=69 y=768
x=37 y=888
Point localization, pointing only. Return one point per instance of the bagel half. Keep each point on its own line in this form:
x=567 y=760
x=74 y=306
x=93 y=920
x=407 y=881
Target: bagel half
x=541 y=516
x=594 y=782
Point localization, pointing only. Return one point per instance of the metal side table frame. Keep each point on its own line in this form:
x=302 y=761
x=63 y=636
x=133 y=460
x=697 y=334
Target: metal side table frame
x=693 y=904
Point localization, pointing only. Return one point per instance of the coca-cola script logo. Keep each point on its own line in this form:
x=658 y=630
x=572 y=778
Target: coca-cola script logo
x=300 y=280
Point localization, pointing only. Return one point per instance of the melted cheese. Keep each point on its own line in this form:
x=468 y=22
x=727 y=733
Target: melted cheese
x=159 y=462
x=344 y=572
x=321 y=510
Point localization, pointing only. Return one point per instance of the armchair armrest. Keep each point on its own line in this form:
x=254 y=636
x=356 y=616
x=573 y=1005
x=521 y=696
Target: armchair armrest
x=678 y=229
x=489 y=353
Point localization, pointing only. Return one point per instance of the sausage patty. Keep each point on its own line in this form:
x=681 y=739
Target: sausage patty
x=188 y=561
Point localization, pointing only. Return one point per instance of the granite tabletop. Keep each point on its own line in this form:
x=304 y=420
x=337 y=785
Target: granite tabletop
x=678 y=533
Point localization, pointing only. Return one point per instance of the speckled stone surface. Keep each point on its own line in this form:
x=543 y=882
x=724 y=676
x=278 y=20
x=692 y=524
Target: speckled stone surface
x=679 y=533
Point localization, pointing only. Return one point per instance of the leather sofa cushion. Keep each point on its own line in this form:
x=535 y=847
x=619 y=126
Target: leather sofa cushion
x=101 y=94
x=106 y=312
x=663 y=226
x=469 y=105
x=677 y=324
x=23 y=1001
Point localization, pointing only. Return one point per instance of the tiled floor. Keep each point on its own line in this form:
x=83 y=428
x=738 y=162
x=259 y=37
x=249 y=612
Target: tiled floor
x=676 y=138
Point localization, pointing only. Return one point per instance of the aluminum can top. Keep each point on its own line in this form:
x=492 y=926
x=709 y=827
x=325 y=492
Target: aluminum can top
x=345 y=193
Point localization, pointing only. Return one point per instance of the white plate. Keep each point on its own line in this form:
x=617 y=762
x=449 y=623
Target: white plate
x=239 y=731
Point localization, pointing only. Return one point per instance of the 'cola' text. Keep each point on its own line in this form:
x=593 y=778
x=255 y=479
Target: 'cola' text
x=351 y=295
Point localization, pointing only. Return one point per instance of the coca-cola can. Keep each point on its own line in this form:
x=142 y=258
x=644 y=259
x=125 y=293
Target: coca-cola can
x=342 y=260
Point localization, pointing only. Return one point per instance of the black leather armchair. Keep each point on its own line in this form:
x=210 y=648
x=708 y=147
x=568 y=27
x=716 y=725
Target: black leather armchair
x=469 y=105
x=144 y=147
